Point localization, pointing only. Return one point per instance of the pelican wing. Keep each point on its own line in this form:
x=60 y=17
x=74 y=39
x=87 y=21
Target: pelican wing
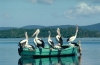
x=71 y=39
x=42 y=43
x=51 y=43
x=38 y=41
x=61 y=41
x=22 y=43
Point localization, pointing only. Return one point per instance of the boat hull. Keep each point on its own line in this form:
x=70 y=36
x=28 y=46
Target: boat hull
x=47 y=52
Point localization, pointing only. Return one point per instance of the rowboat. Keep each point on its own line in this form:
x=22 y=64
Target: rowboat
x=73 y=60
x=48 y=52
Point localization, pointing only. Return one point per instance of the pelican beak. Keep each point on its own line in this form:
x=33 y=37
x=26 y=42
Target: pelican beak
x=26 y=35
x=35 y=32
x=76 y=27
x=58 y=31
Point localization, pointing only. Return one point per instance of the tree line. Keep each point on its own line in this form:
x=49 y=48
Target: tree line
x=65 y=32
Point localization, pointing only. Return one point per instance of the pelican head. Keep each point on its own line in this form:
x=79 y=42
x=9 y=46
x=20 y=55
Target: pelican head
x=79 y=43
x=58 y=31
x=49 y=32
x=79 y=49
x=26 y=35
x=36 y=32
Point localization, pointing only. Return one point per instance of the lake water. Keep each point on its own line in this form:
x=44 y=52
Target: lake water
x=90 y=53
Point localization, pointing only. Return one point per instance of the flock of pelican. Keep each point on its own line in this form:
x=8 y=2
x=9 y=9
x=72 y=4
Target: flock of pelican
x=40 y=43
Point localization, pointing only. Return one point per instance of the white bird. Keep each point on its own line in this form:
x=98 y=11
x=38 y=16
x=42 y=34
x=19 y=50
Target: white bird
x=38 y=42
x=51 y=43
x=59 y=38
x=24 y=43
x=72 y=38
x=79 y=48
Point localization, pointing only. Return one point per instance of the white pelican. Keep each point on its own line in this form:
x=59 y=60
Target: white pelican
x=38 y=42
x=79 y=48
x=51 y=44
x=59 y=38
x=72 y=38
x=24 y=43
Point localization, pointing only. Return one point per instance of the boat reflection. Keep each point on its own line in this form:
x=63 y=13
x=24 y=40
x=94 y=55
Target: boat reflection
x=73 y=60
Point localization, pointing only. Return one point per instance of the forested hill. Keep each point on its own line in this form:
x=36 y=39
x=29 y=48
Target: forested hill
x=91 y=27
x=33 y=27
x=88 y=27
x=65 y=32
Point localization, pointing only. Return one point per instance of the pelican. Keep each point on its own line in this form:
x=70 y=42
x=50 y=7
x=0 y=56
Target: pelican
x=51 y=44
x=59 y=38
x=24 y=43
x=38 y=42
x=79 y=48
x=72 y=38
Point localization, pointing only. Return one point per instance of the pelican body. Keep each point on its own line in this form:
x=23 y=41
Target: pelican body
x=24 y=43
x=59 y=38
x=50 y=42
x=38 y=42
x=72 y=38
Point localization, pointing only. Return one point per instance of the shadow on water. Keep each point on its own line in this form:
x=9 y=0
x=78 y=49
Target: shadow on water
x=73 y=60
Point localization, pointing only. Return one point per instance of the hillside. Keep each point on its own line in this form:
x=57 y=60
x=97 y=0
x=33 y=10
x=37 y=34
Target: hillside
x=6 y=28
x=88 y=27
x=91 y=27
x=33 y=27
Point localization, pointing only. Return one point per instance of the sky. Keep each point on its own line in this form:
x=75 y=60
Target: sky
x=19 y=13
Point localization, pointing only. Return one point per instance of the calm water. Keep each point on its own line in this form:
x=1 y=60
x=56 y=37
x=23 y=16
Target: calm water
x=90 y=56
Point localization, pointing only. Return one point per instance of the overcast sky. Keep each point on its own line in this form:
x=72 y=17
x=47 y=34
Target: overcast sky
x=18 y=13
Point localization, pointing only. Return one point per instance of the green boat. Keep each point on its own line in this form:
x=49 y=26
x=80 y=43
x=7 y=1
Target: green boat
x=70 y=60
x=47 y=52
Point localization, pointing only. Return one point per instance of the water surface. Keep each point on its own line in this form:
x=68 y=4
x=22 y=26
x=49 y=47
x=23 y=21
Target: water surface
x=90 y=53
